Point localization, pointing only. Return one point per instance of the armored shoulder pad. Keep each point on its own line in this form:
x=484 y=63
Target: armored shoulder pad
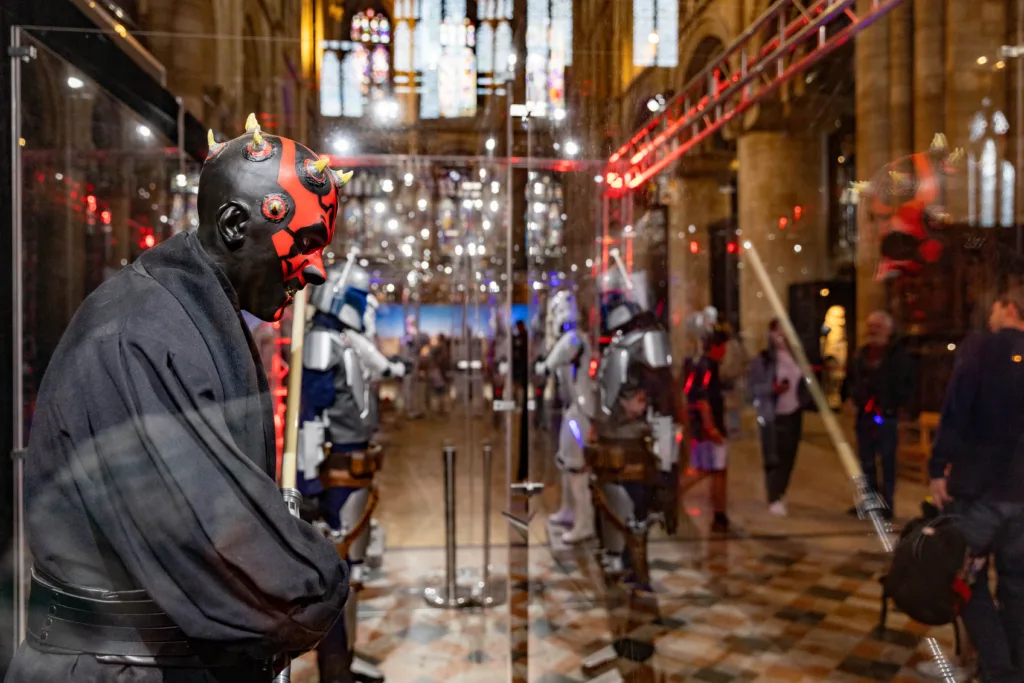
x=322 y=350
x=657 y=349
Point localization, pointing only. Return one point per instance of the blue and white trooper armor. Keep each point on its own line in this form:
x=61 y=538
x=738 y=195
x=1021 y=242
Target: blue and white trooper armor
x=567 y=360
x=341 y=365
x=637 y=359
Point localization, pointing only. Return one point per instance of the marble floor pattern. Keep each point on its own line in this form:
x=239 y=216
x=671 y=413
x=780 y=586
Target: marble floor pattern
x=792 y=599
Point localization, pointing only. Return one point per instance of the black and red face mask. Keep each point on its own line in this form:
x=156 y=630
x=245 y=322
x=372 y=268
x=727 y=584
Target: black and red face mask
x=908 y=206
x=295 y=193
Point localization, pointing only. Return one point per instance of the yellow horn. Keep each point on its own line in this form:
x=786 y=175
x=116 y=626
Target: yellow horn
x=210 y=139
x=251 y=124
x=321 y=164
x=345 y=177
x=257 y=139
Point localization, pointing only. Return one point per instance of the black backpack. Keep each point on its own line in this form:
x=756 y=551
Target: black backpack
x=928 y=577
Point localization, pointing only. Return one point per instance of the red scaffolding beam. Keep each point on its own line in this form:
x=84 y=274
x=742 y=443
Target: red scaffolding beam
x=740 y=77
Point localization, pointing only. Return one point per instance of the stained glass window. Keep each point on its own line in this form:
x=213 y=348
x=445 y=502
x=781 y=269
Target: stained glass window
x=656 y=33
x=502 y=51
x=990 y=176
x=548 y=52
x=330 y=84
x=403 y=47
x=366 y=69
x=485 y=50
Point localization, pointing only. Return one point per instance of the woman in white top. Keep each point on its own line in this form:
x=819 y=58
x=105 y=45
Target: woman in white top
x=775 y=380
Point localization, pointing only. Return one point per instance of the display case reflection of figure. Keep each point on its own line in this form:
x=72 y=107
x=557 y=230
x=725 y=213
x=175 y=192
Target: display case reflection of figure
x=635 y=452
x=338 y=459
x=568 y=360
x=497 y=358
x=414 y=348
x=834 y=353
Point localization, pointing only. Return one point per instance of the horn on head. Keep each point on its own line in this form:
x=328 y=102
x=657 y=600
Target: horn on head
x=210 y=139
x=253 y=126
x=346 y=176
x=320 y=164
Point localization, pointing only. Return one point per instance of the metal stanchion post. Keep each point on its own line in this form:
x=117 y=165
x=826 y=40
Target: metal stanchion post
x=451 y=594
x=491 y=590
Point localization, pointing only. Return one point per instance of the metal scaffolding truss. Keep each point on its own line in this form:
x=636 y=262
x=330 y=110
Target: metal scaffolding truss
x=787 y=39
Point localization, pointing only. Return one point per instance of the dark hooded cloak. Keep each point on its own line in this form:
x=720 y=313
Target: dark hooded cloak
x=151 y=466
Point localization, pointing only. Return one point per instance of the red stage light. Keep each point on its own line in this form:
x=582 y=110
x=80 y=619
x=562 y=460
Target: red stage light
x=694 y=247
x=798 y=211
x=783 y=222
x=732 y=247
x=148 y=241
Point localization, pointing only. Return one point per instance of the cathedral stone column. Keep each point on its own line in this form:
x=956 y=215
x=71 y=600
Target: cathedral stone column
x=778 y=172
x=929 y=72
x=873 y=95
x=697 y=202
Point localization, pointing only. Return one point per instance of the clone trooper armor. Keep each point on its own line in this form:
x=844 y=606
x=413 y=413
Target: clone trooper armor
x=567 y=361
x=636 y=450
x=413 y=344
x=341 y=363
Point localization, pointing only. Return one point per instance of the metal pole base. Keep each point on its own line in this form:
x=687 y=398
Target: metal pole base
x=493 y=593
x=437 y=596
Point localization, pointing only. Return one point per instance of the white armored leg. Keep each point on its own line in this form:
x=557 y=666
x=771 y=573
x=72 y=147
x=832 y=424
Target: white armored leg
x=583 y=509
x=351 y=512
x=564 y=516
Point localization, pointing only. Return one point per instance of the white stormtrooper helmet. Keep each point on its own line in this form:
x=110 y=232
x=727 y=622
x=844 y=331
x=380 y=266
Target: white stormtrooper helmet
x=563 y=313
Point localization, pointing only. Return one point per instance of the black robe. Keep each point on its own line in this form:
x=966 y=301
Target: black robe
x=151 y=465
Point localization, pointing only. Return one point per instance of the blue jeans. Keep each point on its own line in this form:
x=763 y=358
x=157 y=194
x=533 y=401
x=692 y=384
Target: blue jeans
x=997 y=630
x=878 y=441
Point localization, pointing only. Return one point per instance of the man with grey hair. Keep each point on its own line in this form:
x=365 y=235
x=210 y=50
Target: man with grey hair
x=879 y=382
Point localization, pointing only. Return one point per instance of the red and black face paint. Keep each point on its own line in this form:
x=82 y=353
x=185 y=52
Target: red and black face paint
x=908 y=205
x=307 y=212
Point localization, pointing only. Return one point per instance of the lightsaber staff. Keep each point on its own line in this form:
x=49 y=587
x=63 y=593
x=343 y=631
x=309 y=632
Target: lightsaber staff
x=869 y=503
x=289 y=458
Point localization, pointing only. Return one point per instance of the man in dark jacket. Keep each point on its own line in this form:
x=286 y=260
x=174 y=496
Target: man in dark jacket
x=879 y=382
x=978 y=463
x=163 y=549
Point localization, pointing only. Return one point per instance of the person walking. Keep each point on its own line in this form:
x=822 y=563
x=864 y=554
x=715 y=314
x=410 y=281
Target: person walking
x=976 y=473
x=777 y=385
x=879 y=382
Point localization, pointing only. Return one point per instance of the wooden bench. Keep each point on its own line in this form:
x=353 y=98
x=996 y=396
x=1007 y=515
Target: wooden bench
x=916 y=447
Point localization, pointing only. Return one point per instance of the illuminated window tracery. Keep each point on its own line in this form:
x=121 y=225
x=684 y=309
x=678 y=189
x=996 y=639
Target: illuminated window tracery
x=656 y=33
x=991 y=177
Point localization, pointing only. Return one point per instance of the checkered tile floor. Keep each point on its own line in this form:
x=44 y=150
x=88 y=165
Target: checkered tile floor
x=744 y=609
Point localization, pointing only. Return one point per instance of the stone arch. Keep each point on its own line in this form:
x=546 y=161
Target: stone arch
x=710 y=35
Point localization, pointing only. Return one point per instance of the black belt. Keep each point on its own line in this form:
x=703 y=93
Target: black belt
x=121 y=626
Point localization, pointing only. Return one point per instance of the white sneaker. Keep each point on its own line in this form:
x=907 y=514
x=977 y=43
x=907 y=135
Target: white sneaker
x=778 y=508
